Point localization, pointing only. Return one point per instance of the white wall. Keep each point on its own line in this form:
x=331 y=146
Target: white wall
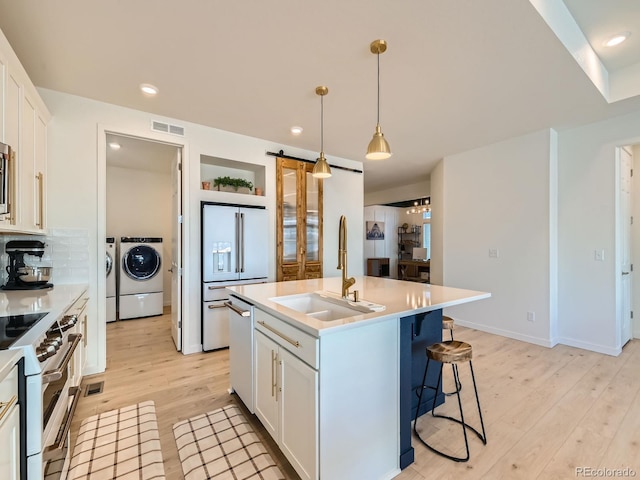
x=139 y=205
x=76 y=158
x=586 y=222
x=436 y=270
x=498 y=197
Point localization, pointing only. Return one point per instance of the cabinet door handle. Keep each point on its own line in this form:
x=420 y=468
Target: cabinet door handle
x=273 y=373
x=211 y=307
x=40 y=178
x=6 y=406
x=293 y=342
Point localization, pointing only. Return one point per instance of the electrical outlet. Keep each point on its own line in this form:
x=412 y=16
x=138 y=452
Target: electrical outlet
x=531 y=316
x=599 y=255
x=493 y=253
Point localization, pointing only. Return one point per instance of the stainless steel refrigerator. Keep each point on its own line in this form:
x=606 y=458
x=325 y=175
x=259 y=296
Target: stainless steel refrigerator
x=234 y=252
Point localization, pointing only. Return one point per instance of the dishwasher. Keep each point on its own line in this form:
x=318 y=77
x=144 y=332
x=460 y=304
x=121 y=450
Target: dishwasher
x=241 y=349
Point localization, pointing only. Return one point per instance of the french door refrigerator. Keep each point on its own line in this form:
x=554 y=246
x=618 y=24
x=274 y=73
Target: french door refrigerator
x=234 y=252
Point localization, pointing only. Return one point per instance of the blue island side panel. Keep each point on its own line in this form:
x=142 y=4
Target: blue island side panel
x=417 y=332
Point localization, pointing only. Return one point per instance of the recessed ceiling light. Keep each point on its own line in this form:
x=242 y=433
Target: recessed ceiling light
x=114 y=146
x=617 y=39
x=149 y=89
x=295 y=130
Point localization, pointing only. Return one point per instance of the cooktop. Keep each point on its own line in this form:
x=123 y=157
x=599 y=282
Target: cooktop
x=12 y=327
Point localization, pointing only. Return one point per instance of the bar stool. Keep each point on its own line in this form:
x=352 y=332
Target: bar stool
x=451 y=352
x=447 y=324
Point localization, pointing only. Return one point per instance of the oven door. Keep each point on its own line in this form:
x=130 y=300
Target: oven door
x=59 y=400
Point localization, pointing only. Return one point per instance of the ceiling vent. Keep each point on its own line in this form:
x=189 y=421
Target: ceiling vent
x=167 y=128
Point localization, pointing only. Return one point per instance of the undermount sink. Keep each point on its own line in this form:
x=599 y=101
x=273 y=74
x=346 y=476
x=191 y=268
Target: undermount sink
x=323 y=306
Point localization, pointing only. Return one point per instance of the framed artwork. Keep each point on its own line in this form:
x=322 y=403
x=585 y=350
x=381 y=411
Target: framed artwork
x=375 y=230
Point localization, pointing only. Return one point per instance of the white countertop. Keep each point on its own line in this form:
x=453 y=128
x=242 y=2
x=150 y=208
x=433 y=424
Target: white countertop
x=8 y=358
x=54 y=300
x=400 y=298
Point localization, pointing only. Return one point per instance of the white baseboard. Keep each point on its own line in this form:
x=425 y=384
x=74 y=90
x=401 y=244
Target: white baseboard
x=543 y=342
x=571 y=342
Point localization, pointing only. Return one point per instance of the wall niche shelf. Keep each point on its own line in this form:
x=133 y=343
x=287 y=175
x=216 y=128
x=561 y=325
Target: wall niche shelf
x=213 y=167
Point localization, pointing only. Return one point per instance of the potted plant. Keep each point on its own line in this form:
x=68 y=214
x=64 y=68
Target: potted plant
x=229 y=184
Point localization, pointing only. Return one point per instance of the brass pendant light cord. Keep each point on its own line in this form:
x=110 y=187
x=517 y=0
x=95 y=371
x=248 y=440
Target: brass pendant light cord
x=322 y=123
x=378 y=119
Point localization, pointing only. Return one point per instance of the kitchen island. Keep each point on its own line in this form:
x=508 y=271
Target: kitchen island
x=335 y=387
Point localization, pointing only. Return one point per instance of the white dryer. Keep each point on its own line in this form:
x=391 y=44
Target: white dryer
x=141 y=284
x=111 y=266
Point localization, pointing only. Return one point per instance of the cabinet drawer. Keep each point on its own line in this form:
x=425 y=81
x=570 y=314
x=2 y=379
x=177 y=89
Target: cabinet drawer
x=9 y=386
x=299 y=343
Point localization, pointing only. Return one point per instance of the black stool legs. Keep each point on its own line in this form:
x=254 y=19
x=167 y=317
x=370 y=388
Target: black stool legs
x=483 y=436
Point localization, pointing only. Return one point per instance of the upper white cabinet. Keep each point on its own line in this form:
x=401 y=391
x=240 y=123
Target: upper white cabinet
x=23 y=126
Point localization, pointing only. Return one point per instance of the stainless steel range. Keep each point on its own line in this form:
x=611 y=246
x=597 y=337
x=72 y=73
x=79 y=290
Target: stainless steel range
x=48 y=398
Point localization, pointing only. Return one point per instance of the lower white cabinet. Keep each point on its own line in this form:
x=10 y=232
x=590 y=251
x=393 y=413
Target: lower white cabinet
x=9 y=427
x=330 y=402
x=79 y=309
x=286 y=400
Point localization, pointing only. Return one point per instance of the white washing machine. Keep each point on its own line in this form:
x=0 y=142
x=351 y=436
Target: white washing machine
x=110 y=247
x=140 y=287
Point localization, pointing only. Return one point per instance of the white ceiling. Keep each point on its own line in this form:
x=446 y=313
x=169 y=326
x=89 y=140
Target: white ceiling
x=458 y=74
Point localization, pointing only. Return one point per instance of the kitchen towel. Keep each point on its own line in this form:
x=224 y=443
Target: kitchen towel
x=121 y=444
x=222 y=445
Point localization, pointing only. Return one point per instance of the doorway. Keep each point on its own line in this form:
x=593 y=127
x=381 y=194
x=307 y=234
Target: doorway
x=628 y=241
x=143 y=204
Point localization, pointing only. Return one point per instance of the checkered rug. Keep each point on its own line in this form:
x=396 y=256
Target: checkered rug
x=120 y=444
x=222 y=445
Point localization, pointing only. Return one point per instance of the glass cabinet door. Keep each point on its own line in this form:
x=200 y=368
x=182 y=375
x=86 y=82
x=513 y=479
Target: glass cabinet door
x=299 y=221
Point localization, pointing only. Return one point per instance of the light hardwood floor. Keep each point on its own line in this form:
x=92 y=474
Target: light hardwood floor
x=547 y=411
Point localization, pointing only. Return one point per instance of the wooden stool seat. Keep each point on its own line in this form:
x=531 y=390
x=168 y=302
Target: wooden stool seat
x=447 y=323
x=452 y=351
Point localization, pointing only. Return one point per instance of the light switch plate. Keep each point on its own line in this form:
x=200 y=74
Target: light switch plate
x=599 y=255
x=493 y=253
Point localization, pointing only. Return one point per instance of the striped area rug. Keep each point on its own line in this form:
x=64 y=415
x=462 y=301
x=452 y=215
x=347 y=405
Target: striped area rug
x=121 y=444
x=222 y=445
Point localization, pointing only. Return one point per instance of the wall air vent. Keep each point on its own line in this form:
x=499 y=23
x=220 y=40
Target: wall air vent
x=167 y=128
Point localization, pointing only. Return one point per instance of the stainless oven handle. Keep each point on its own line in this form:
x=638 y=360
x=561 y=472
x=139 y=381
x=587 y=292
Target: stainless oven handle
x=239 y=311
x=53 y=375
x=61 y=438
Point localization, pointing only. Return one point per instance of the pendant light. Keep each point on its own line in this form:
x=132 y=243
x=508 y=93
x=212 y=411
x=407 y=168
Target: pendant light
x=321 y=168
x=378 y=146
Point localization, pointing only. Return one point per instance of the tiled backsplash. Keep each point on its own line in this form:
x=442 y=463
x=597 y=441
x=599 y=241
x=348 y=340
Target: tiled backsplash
x=66 y=250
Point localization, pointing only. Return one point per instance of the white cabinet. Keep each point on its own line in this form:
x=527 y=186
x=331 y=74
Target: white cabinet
x=298 y=413
x=266 y=391
x=79 y=309
x=330 y=403
x=286 y=393
x=9 y=427
x=23 y=126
